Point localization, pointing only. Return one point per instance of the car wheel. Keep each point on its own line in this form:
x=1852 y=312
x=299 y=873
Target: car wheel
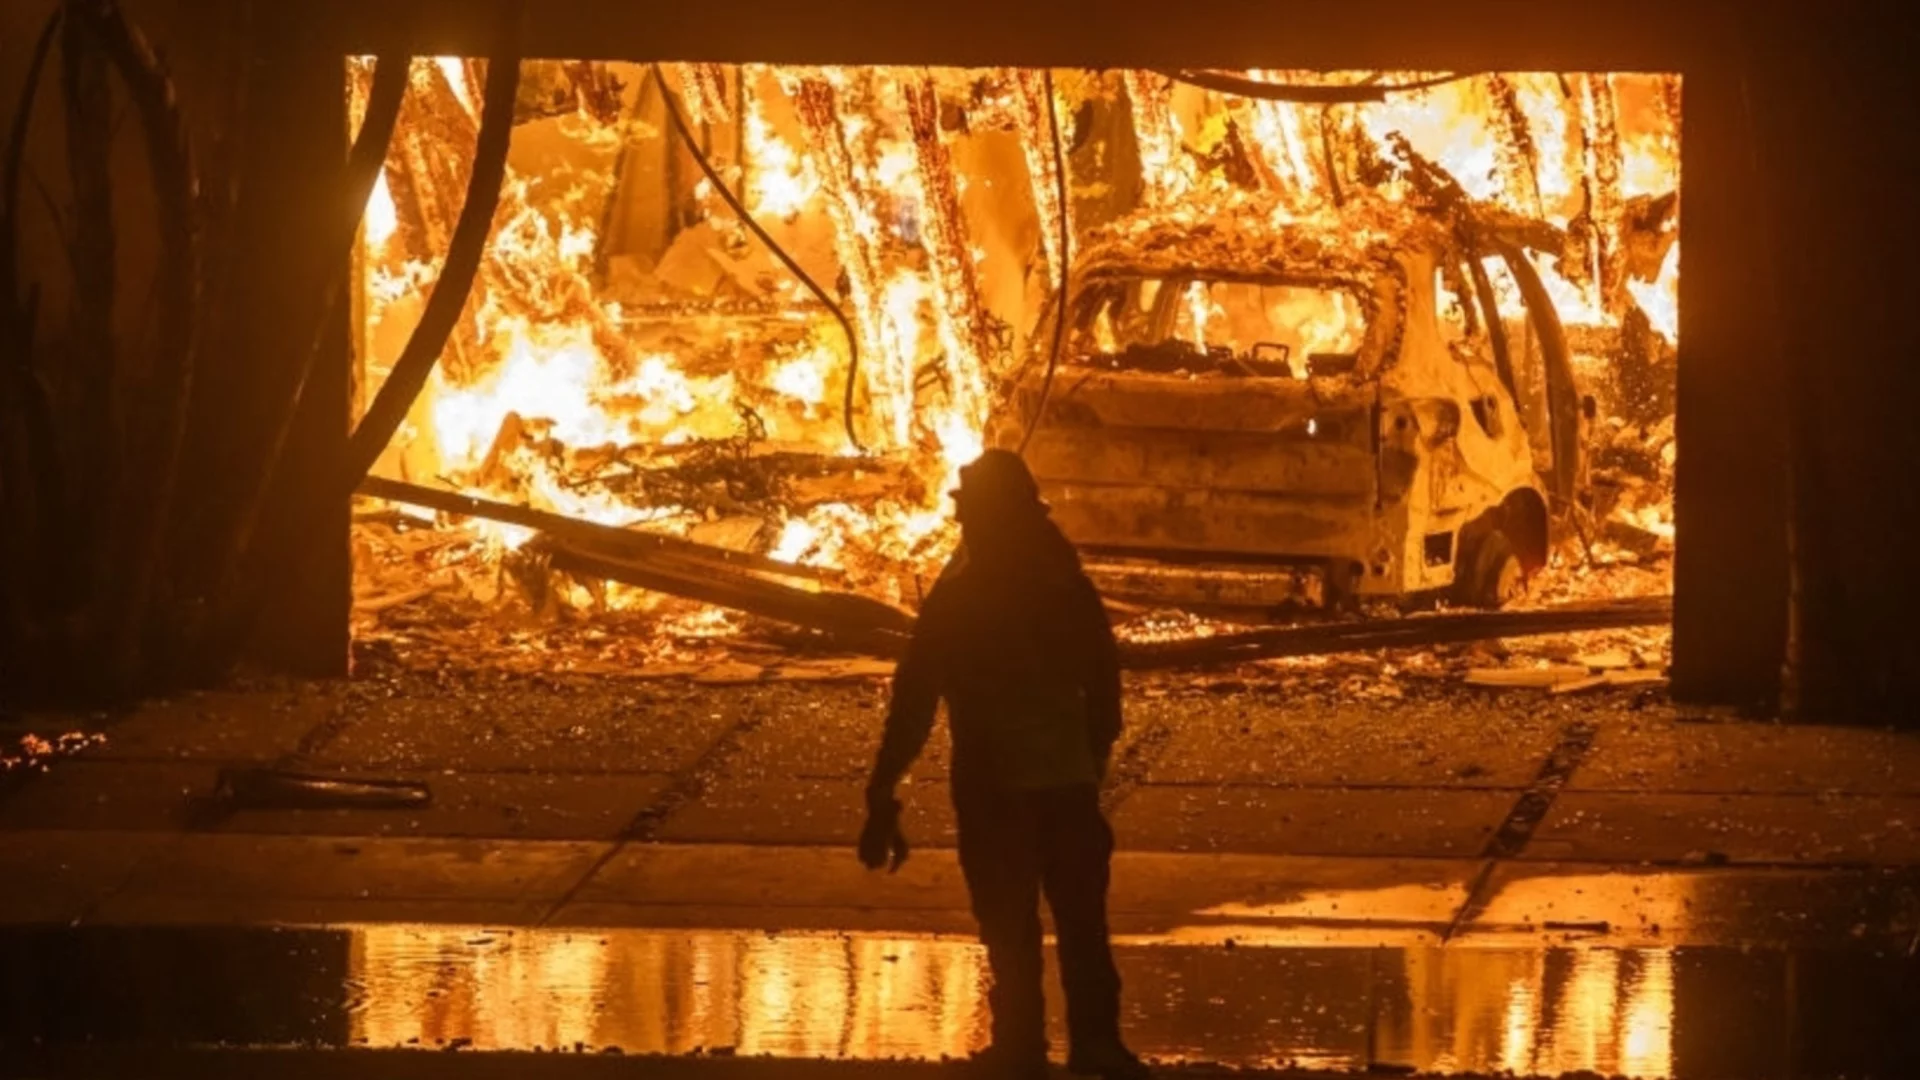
x=1490 y=575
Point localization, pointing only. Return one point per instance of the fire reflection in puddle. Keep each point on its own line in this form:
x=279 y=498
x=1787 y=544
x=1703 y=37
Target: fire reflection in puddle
x=1546 y=1013
x=1549 y=1011
x=1670 y=1011
x=669 y=992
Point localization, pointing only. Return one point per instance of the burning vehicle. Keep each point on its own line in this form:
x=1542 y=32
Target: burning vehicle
x=1258 y=410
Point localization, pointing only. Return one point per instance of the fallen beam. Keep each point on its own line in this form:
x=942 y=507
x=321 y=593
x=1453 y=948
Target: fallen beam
x=606 y=538
x=739 y=580
x=855 y=622
x=1412 y=632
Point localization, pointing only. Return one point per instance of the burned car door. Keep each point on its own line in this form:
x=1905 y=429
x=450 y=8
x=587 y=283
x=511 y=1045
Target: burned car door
x=1562 y=472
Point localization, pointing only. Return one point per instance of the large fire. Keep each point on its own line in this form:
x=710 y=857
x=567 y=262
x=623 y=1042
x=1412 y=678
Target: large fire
x=632 y=356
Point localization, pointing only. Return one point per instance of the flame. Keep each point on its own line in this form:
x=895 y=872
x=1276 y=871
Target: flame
x=1167 y=170
x=382 y=217
x=1198 y=309
x=1279 y=132
x=804 y=378
x=797 y=537
x=1448 y=124
x=556 y=375
x=782 y=183
x=960 y=443
x=1550 y=127
x=1653 y=517
x=1660 y=298
x=707 y=622
x=557 y=382
x=455 y=72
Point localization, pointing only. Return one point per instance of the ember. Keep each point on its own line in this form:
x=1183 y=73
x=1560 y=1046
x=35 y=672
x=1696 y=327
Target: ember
x=34 y=752
x=633 y=355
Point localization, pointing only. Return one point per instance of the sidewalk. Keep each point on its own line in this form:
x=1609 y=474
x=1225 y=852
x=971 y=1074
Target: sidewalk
x=597 y=802
x=114 y=877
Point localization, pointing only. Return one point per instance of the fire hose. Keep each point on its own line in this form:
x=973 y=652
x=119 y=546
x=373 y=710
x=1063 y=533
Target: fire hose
x=1225 y=82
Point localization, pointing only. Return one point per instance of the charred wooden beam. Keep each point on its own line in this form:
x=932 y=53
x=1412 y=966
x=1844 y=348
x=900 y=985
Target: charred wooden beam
x=433 y=163
x=1034 y=123
x=955 y=279
x=817 y=102
x=604 y=538
x=704 y=89
x=856 y=622
x=1607 y=165
x=1411 y=632
x=1516 y=150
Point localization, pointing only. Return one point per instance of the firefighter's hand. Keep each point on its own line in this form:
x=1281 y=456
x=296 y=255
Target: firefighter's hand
x=881 y=841
x=1102 y=764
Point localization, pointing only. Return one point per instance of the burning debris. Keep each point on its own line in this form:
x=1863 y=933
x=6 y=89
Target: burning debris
x=637 y=359
x=31 y=752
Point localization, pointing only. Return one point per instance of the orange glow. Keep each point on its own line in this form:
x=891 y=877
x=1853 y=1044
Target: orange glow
x=1660 y=298
x=382 y=217
x=1646 y=1045
x=867 y=997
x=1519 y=1027
x=579 y=365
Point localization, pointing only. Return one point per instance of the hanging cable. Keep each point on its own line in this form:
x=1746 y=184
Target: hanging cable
x=680 y=125
x=1227 y=82
x=1066 y=261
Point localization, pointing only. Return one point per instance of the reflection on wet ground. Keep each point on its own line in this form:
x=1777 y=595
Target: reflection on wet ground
x=1688 y=1012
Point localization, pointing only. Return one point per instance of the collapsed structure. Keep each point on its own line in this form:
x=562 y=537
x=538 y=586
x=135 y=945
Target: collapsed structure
x=633 y=355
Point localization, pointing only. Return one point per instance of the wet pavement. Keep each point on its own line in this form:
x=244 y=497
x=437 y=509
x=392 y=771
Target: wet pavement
x=1503 y=883
x=743 y=958
x=1689 y=1012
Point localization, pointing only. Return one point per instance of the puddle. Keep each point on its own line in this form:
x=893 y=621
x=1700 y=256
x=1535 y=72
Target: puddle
x=1687 y=1012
